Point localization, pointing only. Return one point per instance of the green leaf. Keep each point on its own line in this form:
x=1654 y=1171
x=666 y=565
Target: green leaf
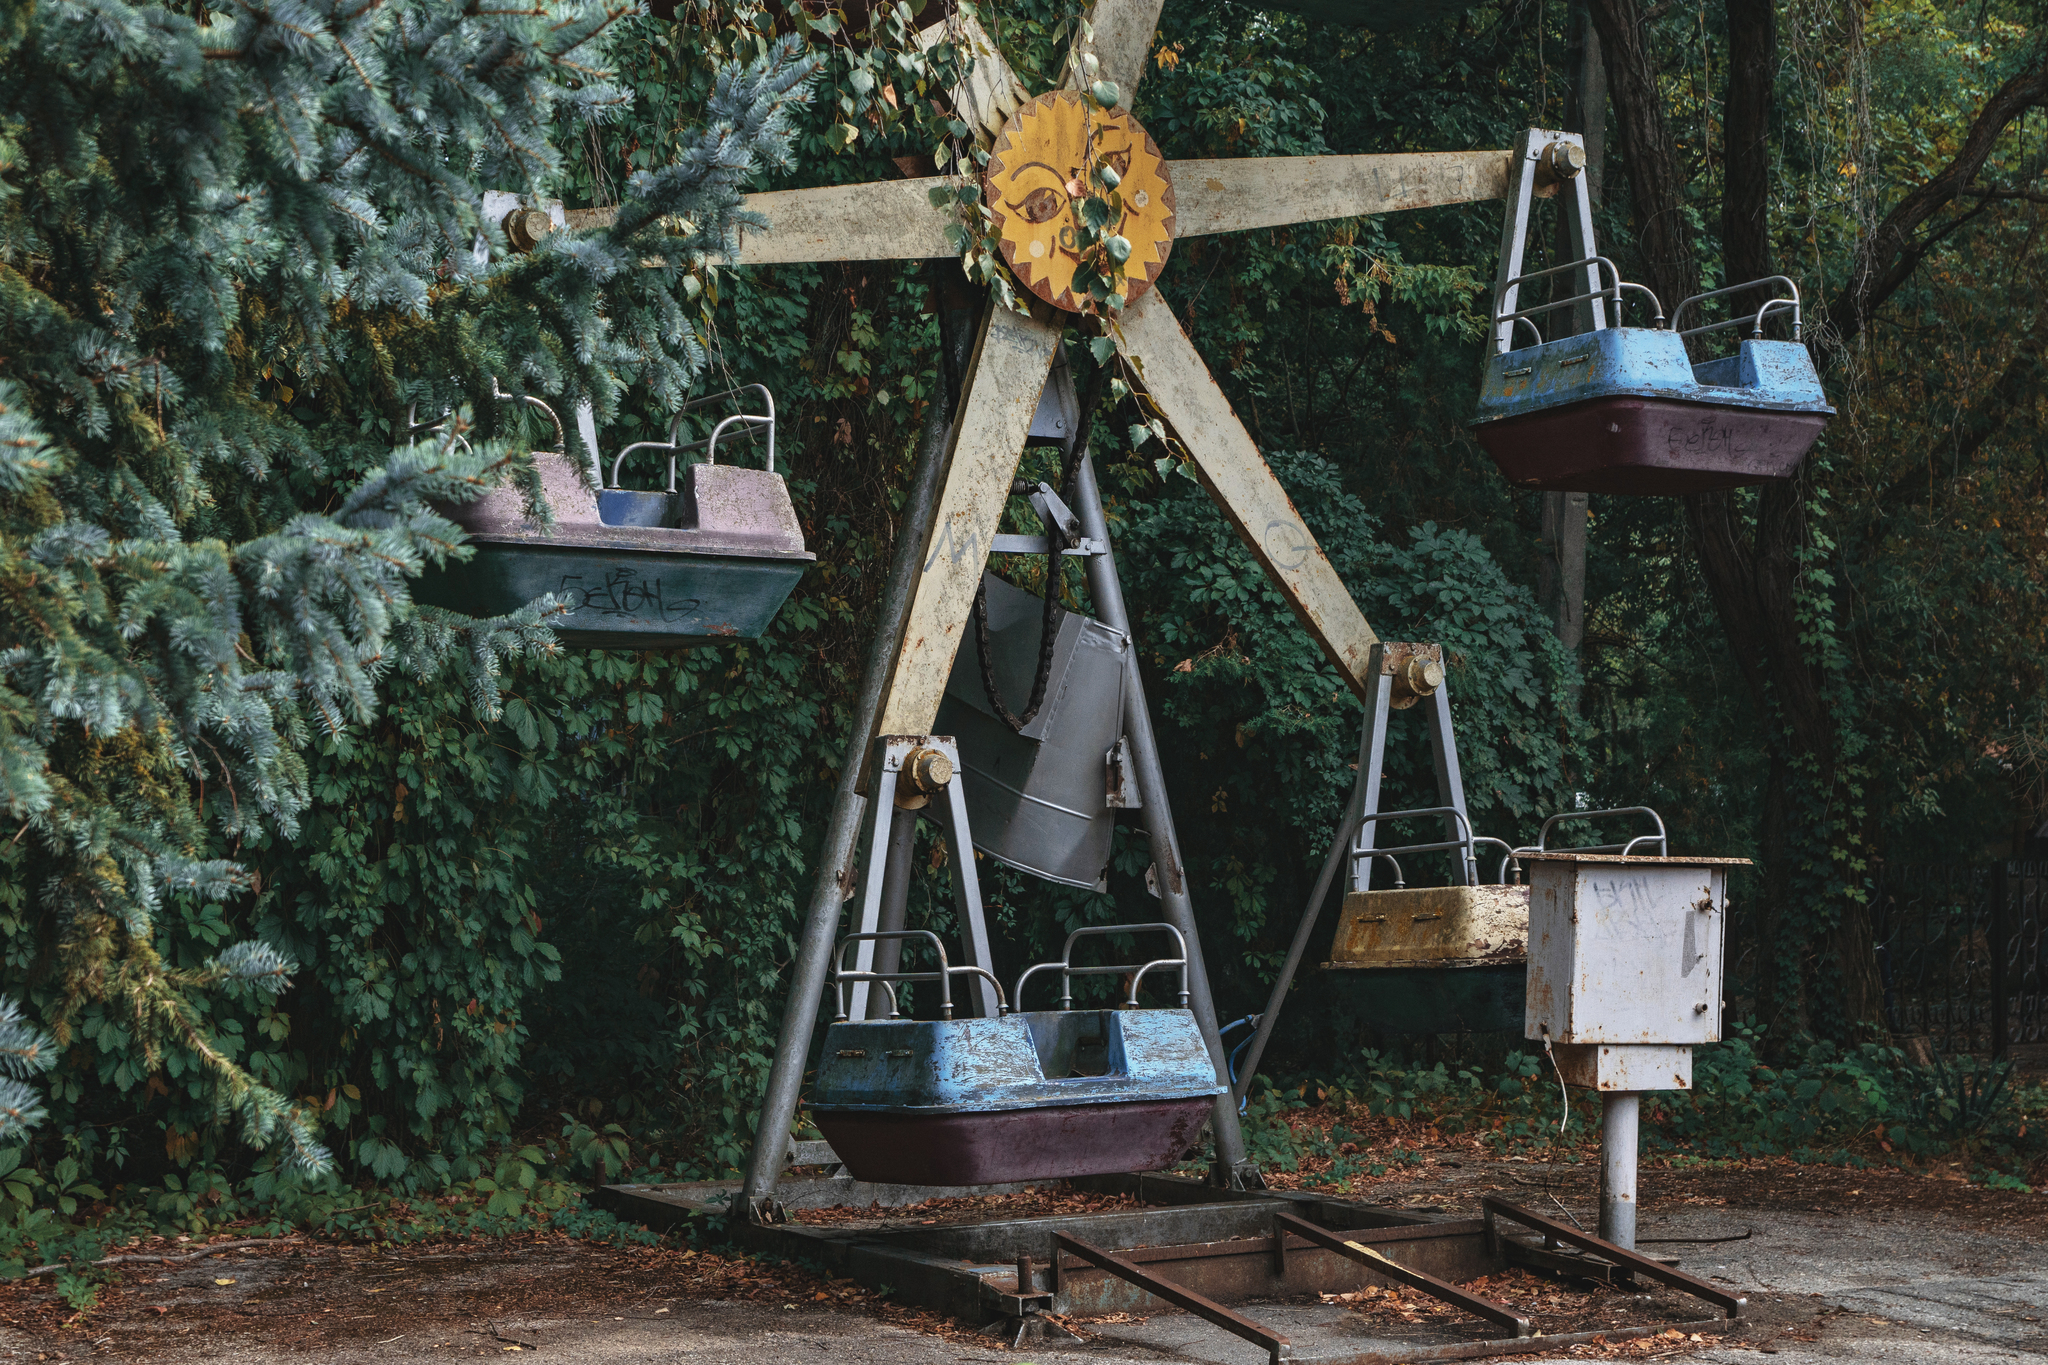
x=1105 y=93
x=1103 y=349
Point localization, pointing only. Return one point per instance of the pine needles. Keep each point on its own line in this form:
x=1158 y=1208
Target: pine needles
x=235 y=258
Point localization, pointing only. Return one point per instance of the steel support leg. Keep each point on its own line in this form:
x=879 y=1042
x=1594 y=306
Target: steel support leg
x=1340 y=853
x=1619 y=1112
x=1450 y=778
x=1232 y=1166
x=842 y=830
x=895 y=901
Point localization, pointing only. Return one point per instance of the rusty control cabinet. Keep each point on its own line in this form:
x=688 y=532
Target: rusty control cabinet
x=1625 y=977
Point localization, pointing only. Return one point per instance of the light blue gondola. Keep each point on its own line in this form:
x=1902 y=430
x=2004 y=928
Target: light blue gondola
x=1618 y=409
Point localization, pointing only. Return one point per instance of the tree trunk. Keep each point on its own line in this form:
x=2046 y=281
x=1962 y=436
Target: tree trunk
x=1656 y=176
x=1752 y=571
x=1561 y=574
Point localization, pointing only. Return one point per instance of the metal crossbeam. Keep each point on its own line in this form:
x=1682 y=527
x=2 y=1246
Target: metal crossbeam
x=1498 y=1314
x=1276 y=1346
x=1634 y=1262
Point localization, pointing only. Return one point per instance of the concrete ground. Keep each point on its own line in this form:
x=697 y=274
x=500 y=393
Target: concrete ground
x=1825 y=1284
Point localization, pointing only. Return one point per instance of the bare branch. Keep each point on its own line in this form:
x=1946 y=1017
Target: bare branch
x=1887 y=257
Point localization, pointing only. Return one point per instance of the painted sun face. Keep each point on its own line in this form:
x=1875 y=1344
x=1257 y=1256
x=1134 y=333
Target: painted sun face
x=1043 y=147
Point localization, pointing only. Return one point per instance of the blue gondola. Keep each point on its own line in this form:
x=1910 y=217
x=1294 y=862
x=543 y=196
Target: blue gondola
x=1618 y=409
x=1023 y=1096
x=1625 y=410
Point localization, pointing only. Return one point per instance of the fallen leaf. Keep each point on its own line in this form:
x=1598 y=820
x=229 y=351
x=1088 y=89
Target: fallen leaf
x=224 y=1281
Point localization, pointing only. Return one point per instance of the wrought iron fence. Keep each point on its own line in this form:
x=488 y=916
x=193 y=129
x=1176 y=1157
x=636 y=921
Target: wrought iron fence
x=2024 y=965
x=1962 y=951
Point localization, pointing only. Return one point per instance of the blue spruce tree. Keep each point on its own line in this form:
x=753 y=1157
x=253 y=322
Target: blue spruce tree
x=240 y=251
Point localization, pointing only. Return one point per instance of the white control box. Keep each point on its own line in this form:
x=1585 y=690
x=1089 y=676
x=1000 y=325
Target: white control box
x=1626 y=950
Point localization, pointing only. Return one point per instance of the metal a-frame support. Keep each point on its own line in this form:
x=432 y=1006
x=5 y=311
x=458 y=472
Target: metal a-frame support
x=899 y=797
x=1400 y=676
x=923 y=553
x=1532 y=169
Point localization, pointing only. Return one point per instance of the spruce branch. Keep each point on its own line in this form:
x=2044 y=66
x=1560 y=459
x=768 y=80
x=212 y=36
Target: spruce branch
x=239 y=249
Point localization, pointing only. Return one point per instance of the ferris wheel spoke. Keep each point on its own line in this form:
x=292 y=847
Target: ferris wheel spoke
x=990 y=92
x=1229 y=466
x=1236 y=193
x=880 y=220
x=1011 y=360
x=1123 y=40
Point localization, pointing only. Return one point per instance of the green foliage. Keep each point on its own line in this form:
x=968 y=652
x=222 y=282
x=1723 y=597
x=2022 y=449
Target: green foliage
x=1833 y=1098
x=240 y=255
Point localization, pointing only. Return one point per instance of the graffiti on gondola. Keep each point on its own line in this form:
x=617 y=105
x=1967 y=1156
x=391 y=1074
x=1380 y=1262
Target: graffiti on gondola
x=1710 y=436
x=625 y=592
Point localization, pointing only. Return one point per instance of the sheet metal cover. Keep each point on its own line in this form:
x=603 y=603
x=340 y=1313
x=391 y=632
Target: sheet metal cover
x=1038 y=799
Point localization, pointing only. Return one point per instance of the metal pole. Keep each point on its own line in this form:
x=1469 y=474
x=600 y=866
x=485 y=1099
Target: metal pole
x=895 y=900
x=1450 y=778
x=1232 y=1166
x=1340 y=849
x=842 y=830
x=1619 y=1112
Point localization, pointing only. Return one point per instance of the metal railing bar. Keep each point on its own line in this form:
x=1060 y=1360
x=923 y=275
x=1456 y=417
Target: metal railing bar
x=1276 y=1346
x=842 y=976
x=1662 y=840
x=766 y=419
x=1633 y=1262
x=1498 y=1314
x=1611 y=292
x=1068 y=971
x=1790 y=285
x=1467 y=843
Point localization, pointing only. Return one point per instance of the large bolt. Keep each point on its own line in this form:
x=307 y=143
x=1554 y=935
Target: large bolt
x=1423 y=676
x=927 y=771
x=1564 y=159
x=525 y=227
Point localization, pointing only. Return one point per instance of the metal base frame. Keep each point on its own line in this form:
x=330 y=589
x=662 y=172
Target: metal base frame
x=1195 y=1247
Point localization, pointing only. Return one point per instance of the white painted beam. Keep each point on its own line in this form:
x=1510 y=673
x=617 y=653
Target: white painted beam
x=1237 y=193
x=1008 y=370
x=1230 y=467
x=882 y=220
x=1123 y=40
